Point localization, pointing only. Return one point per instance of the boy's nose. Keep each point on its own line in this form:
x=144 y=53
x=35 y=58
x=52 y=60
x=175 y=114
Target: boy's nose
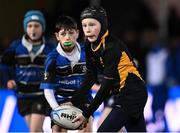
x=68 y=35
x=87 y=29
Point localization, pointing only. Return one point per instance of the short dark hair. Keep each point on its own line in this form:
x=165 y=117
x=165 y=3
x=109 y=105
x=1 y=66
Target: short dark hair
x=65 y=22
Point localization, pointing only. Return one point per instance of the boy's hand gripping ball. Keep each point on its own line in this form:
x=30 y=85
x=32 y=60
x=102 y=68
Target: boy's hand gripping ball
x=64 y=115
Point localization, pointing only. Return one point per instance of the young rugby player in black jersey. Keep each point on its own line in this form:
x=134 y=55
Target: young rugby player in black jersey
x=110 y=55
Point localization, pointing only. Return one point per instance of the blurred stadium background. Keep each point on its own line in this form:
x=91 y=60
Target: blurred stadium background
x=150 y=28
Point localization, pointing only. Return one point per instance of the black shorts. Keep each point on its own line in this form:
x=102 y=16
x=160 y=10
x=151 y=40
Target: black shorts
x=118 y=118
x=132 y=98
x=37 y=105
x=109 y=102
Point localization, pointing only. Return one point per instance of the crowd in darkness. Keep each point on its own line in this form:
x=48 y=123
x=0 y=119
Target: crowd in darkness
x=134 y=23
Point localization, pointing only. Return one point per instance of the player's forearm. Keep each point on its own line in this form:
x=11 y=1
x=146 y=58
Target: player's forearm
x=49 y=95
x=101 y=95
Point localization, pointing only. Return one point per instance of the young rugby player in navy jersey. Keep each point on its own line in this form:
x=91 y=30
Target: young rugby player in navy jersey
x=26 y=57
x=109 y=55
x=65 y=69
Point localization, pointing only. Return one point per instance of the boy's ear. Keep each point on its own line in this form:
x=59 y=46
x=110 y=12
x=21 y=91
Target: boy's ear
x=56 y=35
x=77 y=34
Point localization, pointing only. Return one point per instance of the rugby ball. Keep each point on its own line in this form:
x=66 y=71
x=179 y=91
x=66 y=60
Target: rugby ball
x=64 y=115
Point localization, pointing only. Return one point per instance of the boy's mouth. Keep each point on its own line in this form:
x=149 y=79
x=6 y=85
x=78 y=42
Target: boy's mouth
x=33 y=34
x=68 y=43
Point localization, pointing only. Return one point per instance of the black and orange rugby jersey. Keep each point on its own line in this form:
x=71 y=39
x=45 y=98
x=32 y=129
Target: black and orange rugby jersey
x=116 y=65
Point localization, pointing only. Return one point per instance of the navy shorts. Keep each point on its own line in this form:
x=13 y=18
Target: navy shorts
x=33 y=105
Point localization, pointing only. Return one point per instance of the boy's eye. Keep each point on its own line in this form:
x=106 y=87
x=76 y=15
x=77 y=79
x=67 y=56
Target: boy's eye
x=67 y=32
x=36 y=25
x=71 y=32
x=83 y=25
x=33 y=25
x=91 y=24
x=63 y=33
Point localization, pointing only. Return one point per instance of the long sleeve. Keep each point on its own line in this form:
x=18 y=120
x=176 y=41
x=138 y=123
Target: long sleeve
x=90 y=79
x=101 y=95
x=85 y=88
x=110 y=60
x=49 y=95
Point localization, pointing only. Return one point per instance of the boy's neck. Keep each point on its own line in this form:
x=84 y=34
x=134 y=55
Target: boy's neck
x=34 y=42
x=70 y=49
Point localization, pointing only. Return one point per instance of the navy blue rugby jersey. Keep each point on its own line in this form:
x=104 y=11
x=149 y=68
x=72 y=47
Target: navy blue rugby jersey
x=28 y=66
x=61 y=76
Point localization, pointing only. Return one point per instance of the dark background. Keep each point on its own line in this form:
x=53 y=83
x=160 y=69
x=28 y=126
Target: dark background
x=123 y=15
x=136 y=22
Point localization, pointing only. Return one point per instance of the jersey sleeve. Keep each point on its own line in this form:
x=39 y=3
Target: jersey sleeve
x=8 y=60
x=90 y=79
x=8 y=57
x=112 y=59
x=49 y=74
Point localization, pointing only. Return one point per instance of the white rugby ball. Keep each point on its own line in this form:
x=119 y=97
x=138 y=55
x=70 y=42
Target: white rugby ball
x=64 y=115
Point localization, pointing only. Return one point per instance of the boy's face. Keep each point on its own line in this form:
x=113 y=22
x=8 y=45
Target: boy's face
x=91 y=28
x=67 y=38
x=34 y=30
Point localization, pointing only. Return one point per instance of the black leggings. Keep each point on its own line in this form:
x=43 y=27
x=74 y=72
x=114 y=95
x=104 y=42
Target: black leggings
x=117 y=119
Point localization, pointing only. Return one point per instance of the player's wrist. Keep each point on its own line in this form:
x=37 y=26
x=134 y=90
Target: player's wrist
x=56 y=108
x=86 y=113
